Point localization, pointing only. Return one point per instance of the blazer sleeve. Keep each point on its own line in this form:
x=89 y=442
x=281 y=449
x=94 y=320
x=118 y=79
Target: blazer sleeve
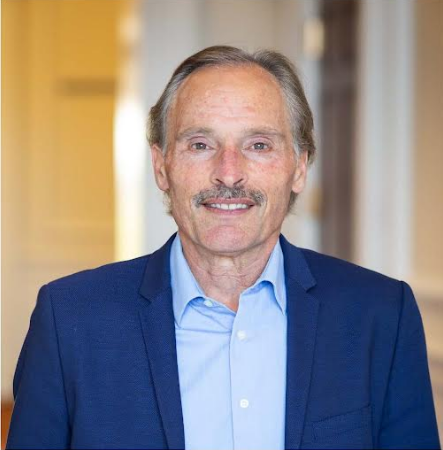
x=40 y=415
x=409 y=417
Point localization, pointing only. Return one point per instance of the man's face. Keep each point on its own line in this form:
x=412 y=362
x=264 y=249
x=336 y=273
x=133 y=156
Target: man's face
x=229 y=136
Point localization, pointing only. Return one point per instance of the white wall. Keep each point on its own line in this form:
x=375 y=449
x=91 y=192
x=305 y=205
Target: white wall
x=384 y=176
x=399 y=186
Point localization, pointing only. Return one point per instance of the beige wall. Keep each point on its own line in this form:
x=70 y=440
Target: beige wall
x=59 y=63
x=427 y=193
x=428 y=148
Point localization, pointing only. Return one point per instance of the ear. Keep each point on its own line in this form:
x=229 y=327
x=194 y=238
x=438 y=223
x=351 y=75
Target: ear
x=159 y=166
x=301 y=172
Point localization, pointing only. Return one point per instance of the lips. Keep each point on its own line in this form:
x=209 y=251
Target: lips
x=231 y=207
x=229 y=204
x=218 y=196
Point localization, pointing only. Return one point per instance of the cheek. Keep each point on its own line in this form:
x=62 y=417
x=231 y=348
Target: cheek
x=178 y=178
x=279 y=198
x=184 y=184
x=276 y=181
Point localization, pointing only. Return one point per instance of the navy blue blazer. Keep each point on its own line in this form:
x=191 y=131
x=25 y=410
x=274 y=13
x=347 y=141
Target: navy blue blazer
x=98 y=368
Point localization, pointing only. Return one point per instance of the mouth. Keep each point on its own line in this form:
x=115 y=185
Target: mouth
x=228 y=206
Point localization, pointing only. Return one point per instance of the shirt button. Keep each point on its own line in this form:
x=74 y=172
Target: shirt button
x=208 y=303
x=244 y=403
x=241 y=334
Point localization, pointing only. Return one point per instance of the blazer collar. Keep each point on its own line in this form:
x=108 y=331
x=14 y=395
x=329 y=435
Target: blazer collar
x=157 y=276
x=157 y=319
x=157 y=322
x=296 y=267
x=303 y=310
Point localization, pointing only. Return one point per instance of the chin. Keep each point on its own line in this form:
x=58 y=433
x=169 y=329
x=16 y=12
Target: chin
x=226 y=240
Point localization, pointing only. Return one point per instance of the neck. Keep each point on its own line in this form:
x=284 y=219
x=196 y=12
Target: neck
x=225 y=277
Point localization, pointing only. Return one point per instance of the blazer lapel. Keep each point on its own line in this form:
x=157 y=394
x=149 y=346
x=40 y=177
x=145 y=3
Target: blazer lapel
x=302 y=313
x=157 y=319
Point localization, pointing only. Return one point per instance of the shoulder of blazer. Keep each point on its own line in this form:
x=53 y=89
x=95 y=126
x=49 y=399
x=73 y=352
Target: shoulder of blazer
x=117 y=282
x=99 y=290
x=325 y=266
x=337 y=279
x=122 y=271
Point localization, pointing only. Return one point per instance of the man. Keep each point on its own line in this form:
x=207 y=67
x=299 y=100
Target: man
x=228 y=336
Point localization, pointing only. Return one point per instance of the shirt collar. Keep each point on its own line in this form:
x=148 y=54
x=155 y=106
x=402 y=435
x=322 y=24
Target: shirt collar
x=274 y=273
x=186 y=288
x=184 y=285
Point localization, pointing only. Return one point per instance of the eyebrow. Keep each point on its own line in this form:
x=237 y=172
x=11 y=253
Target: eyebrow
x=248 y=132
x=266 y=131
x=185 y=134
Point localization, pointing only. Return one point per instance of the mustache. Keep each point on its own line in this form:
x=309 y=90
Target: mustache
x=225 y=192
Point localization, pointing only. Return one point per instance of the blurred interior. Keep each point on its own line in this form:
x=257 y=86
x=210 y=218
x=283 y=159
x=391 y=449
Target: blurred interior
x=79 y=77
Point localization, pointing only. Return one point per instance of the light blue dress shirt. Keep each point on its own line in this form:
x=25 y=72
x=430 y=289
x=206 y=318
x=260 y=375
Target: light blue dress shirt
x=232 y=366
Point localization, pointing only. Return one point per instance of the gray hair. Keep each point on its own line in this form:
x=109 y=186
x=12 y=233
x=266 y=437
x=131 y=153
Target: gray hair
x=302 y=123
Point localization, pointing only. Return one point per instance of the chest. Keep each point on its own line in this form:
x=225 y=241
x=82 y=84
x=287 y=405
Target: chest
x=232 y=372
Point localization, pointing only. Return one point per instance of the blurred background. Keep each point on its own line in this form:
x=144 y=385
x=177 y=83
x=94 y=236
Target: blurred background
x=79 y=77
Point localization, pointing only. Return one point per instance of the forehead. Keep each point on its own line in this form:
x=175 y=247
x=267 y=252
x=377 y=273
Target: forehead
x=229 y=95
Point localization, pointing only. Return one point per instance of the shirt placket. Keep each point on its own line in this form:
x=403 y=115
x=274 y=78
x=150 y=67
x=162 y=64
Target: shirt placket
x=242 y=398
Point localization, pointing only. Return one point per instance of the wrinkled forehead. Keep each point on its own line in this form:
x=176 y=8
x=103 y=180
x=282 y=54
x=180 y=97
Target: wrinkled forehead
x=228 y=94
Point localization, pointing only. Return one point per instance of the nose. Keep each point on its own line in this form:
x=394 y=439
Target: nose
x=229 y=167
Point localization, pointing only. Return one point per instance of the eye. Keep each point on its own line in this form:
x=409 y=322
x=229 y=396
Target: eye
x=199 y=146
x=260 y=146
